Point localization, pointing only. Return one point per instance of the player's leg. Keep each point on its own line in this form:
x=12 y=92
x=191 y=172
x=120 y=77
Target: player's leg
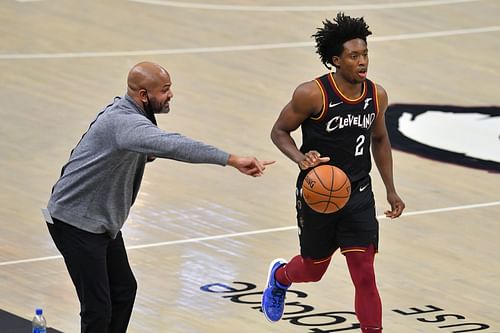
x=301 y=269
x=316 y=234
x=122 y=284
x=358 y=237
x=367 y=303
x=282 y=274
x=85 y=257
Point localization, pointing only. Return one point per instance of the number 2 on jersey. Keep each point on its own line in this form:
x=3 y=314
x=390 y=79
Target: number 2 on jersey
x=358 y=151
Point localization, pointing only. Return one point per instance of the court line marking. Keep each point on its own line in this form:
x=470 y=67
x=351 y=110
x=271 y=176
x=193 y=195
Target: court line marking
x=251 y=47
x=254 y=232
x=375 y=6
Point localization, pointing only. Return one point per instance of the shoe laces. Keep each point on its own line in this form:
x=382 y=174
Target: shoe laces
x=278 y=297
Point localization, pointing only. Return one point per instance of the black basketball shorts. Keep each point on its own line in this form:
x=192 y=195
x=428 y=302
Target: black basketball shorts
x=353 y=228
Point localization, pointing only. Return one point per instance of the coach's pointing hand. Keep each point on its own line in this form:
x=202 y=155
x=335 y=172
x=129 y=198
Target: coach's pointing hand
x=248 y=165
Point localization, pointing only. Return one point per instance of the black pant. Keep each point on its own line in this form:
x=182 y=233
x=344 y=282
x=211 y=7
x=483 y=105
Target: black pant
x=99 y=268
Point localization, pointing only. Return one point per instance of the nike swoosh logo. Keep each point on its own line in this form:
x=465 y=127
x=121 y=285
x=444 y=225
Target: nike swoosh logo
x=361 y=189
x=332 y=105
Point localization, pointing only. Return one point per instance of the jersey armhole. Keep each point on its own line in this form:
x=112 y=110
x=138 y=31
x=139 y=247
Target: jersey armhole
x=323 y=94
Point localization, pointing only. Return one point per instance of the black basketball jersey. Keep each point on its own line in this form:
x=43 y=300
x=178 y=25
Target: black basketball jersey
x=342 y=131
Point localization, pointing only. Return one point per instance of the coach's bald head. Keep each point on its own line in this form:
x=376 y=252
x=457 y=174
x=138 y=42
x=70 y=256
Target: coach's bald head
x=149 y=85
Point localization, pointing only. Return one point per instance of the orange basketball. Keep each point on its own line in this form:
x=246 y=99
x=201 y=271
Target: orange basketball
x=326 y=189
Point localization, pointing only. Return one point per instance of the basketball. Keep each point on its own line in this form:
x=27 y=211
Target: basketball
x=326 y=189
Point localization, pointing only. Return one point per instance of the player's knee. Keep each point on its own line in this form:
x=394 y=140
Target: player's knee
x=315 y=270
x=361 y=269
x=364 y=281
x=316 y=276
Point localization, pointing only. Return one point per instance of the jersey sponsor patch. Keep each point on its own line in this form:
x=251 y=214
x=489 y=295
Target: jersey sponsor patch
x=467 y=136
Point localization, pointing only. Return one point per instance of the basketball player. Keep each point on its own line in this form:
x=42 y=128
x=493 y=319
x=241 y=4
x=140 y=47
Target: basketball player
x=341 y=115
x=98 y=185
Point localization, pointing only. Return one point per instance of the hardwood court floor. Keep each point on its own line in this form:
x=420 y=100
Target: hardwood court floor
x=233 y=68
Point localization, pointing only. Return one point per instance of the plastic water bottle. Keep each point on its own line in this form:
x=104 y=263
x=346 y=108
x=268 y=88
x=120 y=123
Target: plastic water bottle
x=39 y=324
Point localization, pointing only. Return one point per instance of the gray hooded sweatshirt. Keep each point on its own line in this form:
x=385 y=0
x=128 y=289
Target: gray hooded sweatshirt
x=99 y=183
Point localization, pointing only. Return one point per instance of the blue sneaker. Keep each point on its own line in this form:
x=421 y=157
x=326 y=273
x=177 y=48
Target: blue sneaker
x=273 y=299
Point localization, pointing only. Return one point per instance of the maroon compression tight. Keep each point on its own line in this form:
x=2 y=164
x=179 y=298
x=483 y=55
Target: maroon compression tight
x=301 y=269
x=367 y=302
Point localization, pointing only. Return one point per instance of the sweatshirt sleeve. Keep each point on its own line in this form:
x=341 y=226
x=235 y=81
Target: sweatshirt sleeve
x=136 y=133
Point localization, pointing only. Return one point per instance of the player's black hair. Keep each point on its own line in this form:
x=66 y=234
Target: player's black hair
x=331 y=38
